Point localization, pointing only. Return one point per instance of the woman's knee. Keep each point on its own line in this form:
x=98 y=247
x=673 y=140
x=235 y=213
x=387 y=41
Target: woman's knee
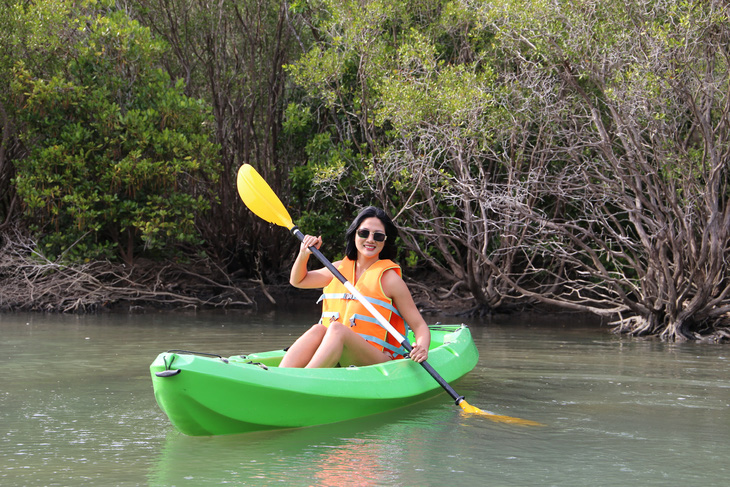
x=337 y=328
x=312 y=337
x=317 y=330
x=338 y=331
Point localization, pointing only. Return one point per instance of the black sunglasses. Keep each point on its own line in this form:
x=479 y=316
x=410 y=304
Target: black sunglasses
x=377 y=236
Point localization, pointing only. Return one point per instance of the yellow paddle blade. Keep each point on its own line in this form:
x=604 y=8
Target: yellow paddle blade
x=260 y=198
x=469 y=409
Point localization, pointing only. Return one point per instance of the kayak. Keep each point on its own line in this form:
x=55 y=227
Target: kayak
x=207 y=394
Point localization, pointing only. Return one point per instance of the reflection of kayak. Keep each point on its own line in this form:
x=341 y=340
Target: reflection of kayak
x=211 y=395
x=387 y=441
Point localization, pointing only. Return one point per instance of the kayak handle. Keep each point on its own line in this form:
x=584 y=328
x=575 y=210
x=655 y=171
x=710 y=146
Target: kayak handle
x=205 y=354
x=167 y=373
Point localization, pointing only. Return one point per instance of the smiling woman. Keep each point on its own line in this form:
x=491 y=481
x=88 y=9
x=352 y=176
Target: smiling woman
x=347 y=333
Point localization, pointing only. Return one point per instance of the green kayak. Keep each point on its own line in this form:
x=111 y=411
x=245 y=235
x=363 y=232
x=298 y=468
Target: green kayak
x=211 y=395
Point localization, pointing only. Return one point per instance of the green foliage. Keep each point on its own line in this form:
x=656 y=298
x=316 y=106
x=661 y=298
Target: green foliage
x=118 y=156
x=330 y=175
x=376 y=68
x=297 y=119
x=39 y=33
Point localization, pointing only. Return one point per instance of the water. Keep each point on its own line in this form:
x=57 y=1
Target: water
x=76 y=406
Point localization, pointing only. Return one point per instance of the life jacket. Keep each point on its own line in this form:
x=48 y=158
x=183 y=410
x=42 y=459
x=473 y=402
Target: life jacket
x=339 y=305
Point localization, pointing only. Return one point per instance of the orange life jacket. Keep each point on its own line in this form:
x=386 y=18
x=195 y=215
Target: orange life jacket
x=340 y=305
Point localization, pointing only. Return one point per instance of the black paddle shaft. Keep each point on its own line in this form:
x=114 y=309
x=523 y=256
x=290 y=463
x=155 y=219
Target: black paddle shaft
x=450 y=390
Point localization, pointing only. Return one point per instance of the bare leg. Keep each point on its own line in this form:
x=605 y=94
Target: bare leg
x=341 y=344
x=301 y=352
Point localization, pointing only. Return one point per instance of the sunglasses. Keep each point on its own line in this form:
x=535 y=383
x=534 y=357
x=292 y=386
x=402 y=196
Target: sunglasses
x=377 y=236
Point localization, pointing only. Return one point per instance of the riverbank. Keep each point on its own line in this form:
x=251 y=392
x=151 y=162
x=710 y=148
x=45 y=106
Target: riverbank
x=34 y=284
x=29 y=282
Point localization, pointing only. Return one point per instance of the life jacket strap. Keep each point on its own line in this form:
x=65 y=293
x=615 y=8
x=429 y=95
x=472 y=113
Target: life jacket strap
x=330 y=316
x=370 y=319
x=379 y=302
x=335 y=296
x=394 y=351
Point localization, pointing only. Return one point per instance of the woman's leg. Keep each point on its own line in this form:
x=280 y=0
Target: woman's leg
x=301 y=352
x=341 y=344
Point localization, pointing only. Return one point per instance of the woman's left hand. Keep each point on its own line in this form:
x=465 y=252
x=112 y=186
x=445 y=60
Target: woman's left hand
x=419 y=353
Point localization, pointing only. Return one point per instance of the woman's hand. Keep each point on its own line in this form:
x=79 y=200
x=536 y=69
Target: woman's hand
x=419 y=353
x=309 y=241
x=305 y=279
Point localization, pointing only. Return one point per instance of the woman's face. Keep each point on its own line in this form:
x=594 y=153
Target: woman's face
x=370 y=246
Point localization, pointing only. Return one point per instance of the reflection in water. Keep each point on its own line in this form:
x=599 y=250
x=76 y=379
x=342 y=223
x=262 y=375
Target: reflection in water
x=76 y=407
x=365 y=452
x=358 y=462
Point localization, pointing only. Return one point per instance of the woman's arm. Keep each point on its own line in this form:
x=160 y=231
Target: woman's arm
x=395 y=288
x=305 y=279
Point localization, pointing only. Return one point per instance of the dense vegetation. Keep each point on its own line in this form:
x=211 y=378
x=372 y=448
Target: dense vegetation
x=567 y=153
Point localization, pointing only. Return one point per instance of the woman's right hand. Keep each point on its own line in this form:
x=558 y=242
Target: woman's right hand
x=301 y=277
x=310 y=241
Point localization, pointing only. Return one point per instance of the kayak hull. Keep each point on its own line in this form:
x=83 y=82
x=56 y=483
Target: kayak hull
x=211 y=395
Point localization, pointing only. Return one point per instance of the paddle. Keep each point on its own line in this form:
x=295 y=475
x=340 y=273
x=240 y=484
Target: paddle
x=262 y=200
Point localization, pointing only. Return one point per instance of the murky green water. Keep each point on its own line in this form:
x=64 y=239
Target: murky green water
x=76 y=407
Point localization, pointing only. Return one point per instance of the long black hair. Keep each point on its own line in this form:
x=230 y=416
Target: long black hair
x=389 y=249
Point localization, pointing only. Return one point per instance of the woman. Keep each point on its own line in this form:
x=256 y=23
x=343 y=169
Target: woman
x=347 y=334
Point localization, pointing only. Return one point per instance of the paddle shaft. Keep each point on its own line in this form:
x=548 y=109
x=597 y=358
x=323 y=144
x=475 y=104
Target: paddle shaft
x=376 y=314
